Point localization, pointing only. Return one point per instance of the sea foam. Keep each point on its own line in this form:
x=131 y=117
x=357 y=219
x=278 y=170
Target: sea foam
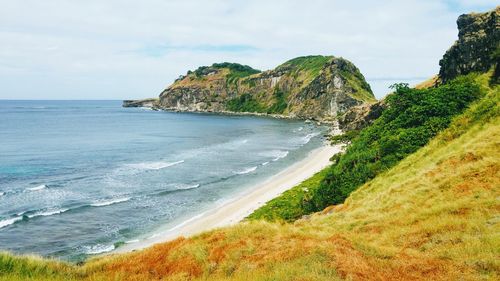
x=246 y=171
x=98 y=249
x=308 y=137
x=47 y=213
x=109 y=202
x=187 y=186
x=154 y=165
x=36 y=188
x=6 y=222
x=280 y=154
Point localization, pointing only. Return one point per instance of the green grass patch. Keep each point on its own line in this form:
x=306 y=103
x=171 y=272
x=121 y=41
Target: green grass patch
x=279 y=104
x=310 y=64
x=245 y=103
x=288 y=206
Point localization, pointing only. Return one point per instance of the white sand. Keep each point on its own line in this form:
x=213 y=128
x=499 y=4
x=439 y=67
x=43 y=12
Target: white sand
x=243 y=205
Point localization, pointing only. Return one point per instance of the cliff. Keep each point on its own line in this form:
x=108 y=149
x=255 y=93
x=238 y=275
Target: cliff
x=311 y=87
x=476 y=49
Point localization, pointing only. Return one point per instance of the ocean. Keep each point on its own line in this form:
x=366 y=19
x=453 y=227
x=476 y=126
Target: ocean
x=79 y=178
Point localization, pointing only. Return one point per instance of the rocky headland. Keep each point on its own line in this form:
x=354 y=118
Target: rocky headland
x=312 y=87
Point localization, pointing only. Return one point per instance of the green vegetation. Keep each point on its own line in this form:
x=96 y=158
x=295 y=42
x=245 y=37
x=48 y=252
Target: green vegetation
x=245 y=103
x=412 y=118
x=362 y=90
x=236 y=70
x=346 y=137
x=14 y=268
x=279 y=104
x=310 y=64
x=288 y=206
x=248 y=103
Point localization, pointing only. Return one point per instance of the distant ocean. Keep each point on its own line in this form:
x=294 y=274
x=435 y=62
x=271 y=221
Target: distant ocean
x=80 y=177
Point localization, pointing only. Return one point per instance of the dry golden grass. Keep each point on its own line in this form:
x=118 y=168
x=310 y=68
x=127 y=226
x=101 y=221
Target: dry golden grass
x=431 y=82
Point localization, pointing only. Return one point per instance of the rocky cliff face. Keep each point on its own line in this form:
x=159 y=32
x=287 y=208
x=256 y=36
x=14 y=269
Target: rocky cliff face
x=359 y=117
x=314 y=87
x=478 y=40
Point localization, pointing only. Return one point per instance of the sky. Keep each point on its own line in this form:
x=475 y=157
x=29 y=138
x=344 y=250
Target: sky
x=55 y=49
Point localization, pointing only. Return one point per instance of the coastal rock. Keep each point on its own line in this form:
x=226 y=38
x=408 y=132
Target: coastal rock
x=149 y=103
x=311 y=87
x=359 y=117
x=476 y=49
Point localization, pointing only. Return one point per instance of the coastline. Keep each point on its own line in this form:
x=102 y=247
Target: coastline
x=146 y=103
x=238 y=208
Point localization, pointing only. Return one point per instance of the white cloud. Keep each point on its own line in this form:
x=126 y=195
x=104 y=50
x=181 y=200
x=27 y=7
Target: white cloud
x=126 y=49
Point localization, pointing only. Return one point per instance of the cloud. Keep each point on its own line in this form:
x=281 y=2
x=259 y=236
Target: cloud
x=126 y=49
x=161 y=50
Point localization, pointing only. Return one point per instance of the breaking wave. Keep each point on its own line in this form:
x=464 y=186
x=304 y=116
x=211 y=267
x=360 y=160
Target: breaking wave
x=109 y=202
x=246 y=171
x=98 y=249
x=6 y=222
x=47 y=213
x=36 y=188
x=154 y=165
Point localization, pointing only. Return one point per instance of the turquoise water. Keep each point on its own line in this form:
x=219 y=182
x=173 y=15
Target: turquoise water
x=79 y=177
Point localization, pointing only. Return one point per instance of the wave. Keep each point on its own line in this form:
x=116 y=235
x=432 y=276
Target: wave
x=265 y=163
x=6 y=222
x=179 y=188
x=186 y=187
x=308 y=137
x=37 y=188
x=246 y=171
x=154 y=165
x=2 y=193
x=47 y=213
x=109 y=202
x=132 y=241
x=298 y=129
x=98 y=249
x=280 y=154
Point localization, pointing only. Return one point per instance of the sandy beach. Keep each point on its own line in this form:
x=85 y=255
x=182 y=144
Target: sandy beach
x=235 y=210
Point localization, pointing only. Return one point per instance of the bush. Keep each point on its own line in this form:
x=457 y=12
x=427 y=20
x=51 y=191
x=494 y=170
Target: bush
x=412 y=118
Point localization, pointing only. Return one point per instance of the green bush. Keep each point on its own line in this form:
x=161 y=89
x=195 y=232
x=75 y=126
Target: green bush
x=279 y=104
x=244 y=103
x=412 y=118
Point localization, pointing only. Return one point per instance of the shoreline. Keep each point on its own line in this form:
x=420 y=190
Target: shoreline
x=238 y=208
x=155 y=107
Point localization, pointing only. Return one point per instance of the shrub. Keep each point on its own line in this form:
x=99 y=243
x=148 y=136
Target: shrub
x=412 y=118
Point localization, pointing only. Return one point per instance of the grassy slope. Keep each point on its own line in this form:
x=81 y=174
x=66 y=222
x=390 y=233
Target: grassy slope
x=432 y=216
x=288 y=206
x=415 y=118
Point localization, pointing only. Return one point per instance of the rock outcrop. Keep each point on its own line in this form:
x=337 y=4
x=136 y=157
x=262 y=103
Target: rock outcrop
x=149 y=103
x=359 y=117
x=475 y=49
x=312 y=87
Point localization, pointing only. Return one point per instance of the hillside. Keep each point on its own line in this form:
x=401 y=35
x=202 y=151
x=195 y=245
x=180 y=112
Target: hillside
x=432 y=216
x=311 y=87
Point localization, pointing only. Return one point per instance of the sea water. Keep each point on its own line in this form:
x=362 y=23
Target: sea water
x=79 y=178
